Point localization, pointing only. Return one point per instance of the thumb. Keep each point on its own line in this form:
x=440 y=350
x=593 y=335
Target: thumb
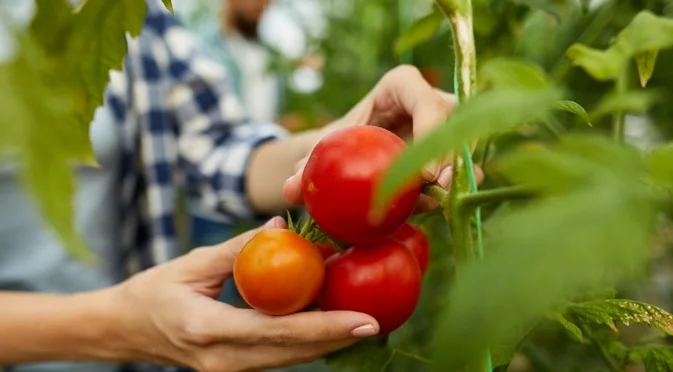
x=219 y=259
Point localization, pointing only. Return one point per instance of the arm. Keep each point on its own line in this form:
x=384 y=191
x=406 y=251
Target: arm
x=43 y=327
x=234 y=165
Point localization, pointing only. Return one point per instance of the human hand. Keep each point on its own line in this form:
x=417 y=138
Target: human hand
x=170 y=316
x=406 y=104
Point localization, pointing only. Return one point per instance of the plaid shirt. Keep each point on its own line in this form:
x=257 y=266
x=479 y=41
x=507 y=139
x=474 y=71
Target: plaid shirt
x=183 y=128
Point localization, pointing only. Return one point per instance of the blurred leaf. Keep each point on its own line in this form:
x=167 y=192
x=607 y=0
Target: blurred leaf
x=635 y=101
x=370 y=355
x=168 y=4
x=49 y=93
x=645 y=62
x=617 y=310
x=646 y=33
x=654 y=358
x=660 y=160
x=507 y=73
x=601 y=65
x=503 y=352
x=486 y=114
x=576 y=239
x=97 y=45
x=420 y=31
x=573 y=108
x=545 y=5
x=569 y=326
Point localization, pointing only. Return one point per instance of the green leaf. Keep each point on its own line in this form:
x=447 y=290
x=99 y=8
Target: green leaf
x=569 y=326
x=601 y=65
x=637 y=101
x=370 y=355
x=660 y=160
x=420 y=31
x=609 y=312
x=97 y=45
x=574 y=239
x=646 y=33
x=507 y=73
x=645 y=62
x=168 y=4
x=486 y=114
x=654 y=358
x=573 y=108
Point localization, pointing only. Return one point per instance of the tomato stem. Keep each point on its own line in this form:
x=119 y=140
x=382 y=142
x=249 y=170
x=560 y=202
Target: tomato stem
x=469 y=202
x=307 y=227
x=435 y=192
x=459 y=14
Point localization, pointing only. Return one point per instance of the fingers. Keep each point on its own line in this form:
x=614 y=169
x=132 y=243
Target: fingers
x=427 y=106
x=207 y=261
x=250 y=327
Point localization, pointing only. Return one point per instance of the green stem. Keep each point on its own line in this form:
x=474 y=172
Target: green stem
x=619 y=118
x=459 y=13
x=471 y=201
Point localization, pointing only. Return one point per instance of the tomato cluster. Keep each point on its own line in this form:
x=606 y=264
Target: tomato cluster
x=279 y=272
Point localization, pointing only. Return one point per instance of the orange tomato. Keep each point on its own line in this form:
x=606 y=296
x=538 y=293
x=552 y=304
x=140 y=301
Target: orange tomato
x=278 y=272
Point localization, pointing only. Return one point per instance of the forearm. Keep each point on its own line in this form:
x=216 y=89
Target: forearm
x=273 y=163
x=43 y=327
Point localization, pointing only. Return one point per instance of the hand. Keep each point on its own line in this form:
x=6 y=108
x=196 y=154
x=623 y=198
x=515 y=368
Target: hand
x=407 y=105
x=172 y=317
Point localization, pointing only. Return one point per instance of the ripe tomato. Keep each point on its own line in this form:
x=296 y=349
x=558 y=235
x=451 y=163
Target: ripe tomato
x=278 y=272
x=326 y=250
x=382 y=280
x=414 y=239
x=339 y=181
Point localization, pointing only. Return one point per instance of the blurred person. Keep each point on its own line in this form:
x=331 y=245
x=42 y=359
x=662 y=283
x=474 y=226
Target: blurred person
x=172 y=122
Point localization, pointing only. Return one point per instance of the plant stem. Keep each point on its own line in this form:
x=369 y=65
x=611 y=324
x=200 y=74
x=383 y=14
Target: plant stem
x=470 y=201
x=619 y=118
x=459 y=13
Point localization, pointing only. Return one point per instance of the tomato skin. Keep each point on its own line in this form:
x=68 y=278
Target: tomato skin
x=340 y=179
x=415 y=239
x=278 y=272
x=382 y=280
x=327 y=250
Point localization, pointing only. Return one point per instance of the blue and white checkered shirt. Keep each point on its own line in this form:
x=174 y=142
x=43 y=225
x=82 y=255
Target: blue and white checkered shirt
x=183 y=128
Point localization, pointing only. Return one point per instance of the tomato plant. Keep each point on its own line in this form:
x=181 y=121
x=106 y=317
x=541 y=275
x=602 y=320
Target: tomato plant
x=340 y=179
x=382 y=280
x=414 y=238
x=279 y=272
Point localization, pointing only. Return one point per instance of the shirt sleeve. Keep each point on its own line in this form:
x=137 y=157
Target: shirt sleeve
x=215 y=137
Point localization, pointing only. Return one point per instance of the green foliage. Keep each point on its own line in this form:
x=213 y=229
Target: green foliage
x=654 y=358
x=660 y=160
x=647 y=34
x=168 y=4
x=581 y=240
x=628 y=312
x=573 y=108
x=50 y=90
x=636 y=101
x=372 y=355
x=645 y=62
x=507 y=73
x=569 y=326
x=420 y=31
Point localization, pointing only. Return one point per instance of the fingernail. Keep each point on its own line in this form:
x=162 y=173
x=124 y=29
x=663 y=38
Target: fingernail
x=445 y=176
x=364 y=331
x=289 y=179
x=430 y=171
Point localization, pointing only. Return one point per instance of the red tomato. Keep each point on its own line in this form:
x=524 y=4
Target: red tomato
x=326 y=250
x=278 y=272
x=414 y=239
x=339 y=182
x=382 y=280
